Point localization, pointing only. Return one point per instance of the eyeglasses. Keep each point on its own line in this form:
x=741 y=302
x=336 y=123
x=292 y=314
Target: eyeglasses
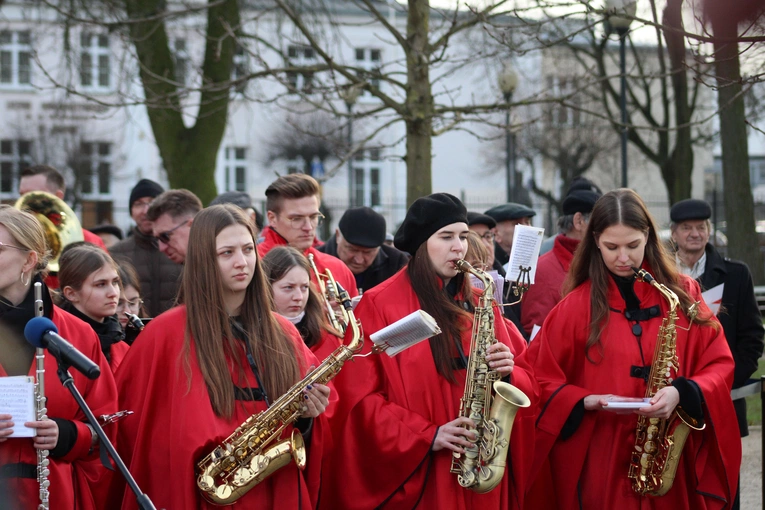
x=132 y=304
x=298 y=221
x=488 y=236
x=165 y=236
x=3 y=245
x=140 y=204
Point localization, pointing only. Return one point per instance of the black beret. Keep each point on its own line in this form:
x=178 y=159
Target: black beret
x=579 y=201
x=510 y=211
x=425 y=217
x=108 y=229
x=144 y=188
x=239 y=198
x=475 y=218
x=690 y=209
x=583 y=183
x=363 y=226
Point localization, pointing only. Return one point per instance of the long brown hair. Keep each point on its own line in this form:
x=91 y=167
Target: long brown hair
x=448 y=313
x=208 y=324
x=277 y=263
x=620 y=207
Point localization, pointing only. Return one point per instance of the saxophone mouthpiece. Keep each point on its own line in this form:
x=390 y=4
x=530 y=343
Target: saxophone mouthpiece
x=643 y=274
x=344 y=298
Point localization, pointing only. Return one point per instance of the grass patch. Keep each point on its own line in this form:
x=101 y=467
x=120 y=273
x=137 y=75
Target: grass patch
x=754 y=402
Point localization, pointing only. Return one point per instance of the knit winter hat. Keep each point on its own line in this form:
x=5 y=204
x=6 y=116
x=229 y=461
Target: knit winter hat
x=425 y=217
x=144 y=188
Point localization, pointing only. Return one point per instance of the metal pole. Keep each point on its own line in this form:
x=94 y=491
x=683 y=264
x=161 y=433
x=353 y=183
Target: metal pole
x=509 y=170
x=351 y=191
x=762 y=437
x=622 y=58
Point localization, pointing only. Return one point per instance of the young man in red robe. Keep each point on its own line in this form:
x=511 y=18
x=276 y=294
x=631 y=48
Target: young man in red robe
x=292 y=203
x=597 y=347
x=399 y=416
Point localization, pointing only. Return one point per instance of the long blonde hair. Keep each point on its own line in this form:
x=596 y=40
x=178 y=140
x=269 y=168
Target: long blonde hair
x=209 y=327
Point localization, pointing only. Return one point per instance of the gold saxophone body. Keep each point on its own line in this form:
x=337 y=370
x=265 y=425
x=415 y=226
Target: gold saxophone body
x=659 y=443
x=254 y=451
x=489 y=402
x=330 y=293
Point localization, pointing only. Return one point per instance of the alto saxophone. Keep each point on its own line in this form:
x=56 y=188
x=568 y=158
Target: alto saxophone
x=254 y=452
x=43 y=462
x=659 y=443
x=483 y=464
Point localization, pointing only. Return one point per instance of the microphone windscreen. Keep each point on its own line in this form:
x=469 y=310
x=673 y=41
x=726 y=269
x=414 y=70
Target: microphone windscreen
x=36 y=329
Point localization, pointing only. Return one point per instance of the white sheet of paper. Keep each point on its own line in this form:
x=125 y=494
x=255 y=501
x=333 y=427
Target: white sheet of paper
x=534 y=330
x=526 y=244
x=17 y=398
x=713 y=298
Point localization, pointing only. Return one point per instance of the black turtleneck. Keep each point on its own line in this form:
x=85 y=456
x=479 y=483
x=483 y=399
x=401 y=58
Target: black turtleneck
x=109 y=332
x=626 y=286
x=16 y=354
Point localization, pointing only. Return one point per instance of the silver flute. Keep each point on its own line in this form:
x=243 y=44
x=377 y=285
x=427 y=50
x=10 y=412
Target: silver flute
x=41 y=411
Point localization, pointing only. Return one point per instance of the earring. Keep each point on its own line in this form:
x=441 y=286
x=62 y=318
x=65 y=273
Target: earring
x=28 y=279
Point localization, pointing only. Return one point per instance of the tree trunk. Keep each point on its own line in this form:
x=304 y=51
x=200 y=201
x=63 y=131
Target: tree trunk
x=678 y=169
x=419 y=103
x=188 y=154
x=739 y=204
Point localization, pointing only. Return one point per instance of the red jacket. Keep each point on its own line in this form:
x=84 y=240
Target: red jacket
x=552 y=269
x=389 y=413
x=339 y=270
x=70 y=475
x=92 y=238
x=174 y=425
x=589 y=468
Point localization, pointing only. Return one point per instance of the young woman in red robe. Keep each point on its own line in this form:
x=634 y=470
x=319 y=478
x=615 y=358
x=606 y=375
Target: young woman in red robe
x=198 y=371
x=597 y=345
x=397 y=425
x=71 y=443
x=297 y=300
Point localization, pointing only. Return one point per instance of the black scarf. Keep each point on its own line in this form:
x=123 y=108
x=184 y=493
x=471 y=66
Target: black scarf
x=109 y=332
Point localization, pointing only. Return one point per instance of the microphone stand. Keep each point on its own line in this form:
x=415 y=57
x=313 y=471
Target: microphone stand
x=143 y=500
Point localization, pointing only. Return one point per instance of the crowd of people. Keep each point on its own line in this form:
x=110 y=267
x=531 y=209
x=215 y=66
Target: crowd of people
x=203 y=317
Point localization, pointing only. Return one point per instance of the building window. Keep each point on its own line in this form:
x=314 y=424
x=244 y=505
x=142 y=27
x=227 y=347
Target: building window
x=365 y=181
x=239 y=68
x=15 y=58
x=15 y=156
x=369 y=62
x=756 y=170
x=95 y=168
x=236 y=168
x=181 y=57
x=300 y=56
x=559 y=114
x=95 y=61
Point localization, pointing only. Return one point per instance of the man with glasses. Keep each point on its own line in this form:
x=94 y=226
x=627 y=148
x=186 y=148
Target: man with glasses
x=171 y=214
x=158 y=275
x=292 y=209
x=358 y=241
x=553 y=266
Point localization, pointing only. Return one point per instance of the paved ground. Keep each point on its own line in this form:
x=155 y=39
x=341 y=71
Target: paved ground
x=751 y=471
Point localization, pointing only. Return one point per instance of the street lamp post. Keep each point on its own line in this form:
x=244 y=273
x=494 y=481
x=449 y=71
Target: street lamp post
x=508 y=80
x=350 y=95
x=621 y=25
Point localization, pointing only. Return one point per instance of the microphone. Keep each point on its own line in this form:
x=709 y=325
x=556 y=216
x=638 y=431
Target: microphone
x=43 y=334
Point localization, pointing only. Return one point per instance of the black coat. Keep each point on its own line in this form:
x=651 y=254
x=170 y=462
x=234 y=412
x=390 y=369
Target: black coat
x=387 y=263
x=740 y=318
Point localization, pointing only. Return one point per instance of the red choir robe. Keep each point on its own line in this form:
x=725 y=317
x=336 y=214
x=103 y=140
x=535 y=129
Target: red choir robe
x=70 y=476
x=589 y=469
x=174 y=425
x=339 y=270
x=389 y=413
x=117 y=353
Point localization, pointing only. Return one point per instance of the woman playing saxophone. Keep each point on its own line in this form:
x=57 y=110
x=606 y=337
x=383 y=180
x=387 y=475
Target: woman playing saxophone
x=200 y=370
x=618 y=360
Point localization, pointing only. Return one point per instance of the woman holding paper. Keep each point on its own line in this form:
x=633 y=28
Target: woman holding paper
x=399 y=415
x=70 y=441
x=295 y=299
x=199 y=370
x=596 y=348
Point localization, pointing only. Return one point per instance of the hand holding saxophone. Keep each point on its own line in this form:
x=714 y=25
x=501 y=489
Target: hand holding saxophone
x=316 y=400
x=663 y=403
x=500 y=358
x=454 y=435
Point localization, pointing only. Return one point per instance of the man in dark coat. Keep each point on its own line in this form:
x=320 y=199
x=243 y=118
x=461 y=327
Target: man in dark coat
x=160 y=277
x=359 y=243
x=738 y=312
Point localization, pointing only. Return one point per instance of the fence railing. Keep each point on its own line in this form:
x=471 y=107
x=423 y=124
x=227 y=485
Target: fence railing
x=759 y=293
